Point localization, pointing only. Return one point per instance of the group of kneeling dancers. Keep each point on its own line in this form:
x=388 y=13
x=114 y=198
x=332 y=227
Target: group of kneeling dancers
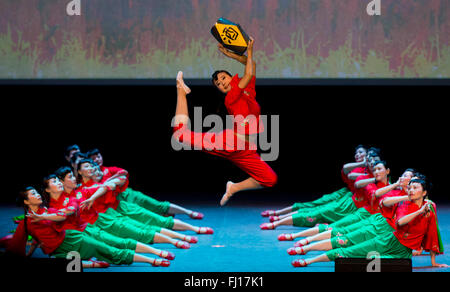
x=371 y=214
x=88 y=208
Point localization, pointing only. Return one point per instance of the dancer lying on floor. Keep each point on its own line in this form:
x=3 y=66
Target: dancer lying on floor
x=136 y=197
x=375 y=195
x=62 y=197
x=358 y=167
x=86 y=170
x=40 y=224
x=413 y=225
x=238 y=144
x=332 y=211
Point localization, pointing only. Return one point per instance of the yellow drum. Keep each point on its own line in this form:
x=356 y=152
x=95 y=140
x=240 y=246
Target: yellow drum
x=230 y=35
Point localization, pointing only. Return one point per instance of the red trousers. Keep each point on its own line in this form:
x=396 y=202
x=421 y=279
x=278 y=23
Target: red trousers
x=227 y=145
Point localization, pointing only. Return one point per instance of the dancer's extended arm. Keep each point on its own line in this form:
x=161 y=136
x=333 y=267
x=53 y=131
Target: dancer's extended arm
x=250 y=65
x=364 y=182
x=408 y=218
x=350 y=166
x=389 y=202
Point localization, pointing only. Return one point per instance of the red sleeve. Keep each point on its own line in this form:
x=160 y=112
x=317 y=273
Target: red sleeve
x=53 y=211
x=17 y=244
x=235 y=93
x=370 y=190
x=120 y=189
x=116 y=170
x=431 y=239
x=344 y=177
x=402 y=210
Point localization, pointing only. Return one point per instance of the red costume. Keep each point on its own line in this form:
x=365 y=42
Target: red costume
x=44 y=231
x=240 y=103
x=421 y=232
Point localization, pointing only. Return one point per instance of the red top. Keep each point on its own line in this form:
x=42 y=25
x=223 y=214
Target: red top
x=110 y=171
x=351 y=183
x=359 y=195
x=373 y=203
x=68 y=203
x=242 y=104
x=44 y=231
x=420 y=232
x=106 y=201
x=389 y=213
x=81 y=194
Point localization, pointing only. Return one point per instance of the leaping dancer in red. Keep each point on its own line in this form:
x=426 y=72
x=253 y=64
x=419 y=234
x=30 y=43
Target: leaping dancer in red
x=240 y=101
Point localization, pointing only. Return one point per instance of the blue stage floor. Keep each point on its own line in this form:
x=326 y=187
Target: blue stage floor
x=238 y=244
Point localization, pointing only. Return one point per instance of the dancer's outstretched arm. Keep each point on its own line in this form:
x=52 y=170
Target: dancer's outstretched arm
x=389 y=202
x=347 y=168
x=241 y=59
x=249 y=68
x=364 y=182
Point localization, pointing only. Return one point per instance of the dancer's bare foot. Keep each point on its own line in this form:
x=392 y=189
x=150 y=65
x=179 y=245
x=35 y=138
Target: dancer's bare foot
x=180 y=83
x=227 y=194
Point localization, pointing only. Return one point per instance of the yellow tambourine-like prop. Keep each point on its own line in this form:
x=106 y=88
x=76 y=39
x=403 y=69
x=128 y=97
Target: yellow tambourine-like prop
x=230 y=35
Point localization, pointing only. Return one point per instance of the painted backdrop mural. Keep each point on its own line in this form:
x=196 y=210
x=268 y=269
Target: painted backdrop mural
x=155 y=39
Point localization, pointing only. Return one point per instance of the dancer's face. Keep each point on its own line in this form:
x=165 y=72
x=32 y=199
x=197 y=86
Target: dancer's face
x=407 y=175
x=34 y=198
x=70 y=181
x=97 y=158
x=415 y=191
x=55 y=186
x=223 y=82
x=380 y=172
x=86 y=170
x=360 y=154
x=372 y=160
x=98 y=174
x=72 y=152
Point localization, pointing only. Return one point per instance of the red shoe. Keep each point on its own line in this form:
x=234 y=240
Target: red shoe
x=196 y=215
x=161 y=263
x=5 y=239
x=301 y=243
x=182 y=244
x=268 y=213
x=96 y=264
x=274 y=218
x=169 y=256
x=267 y=226
x=285 y=237
x=299 y=263
x=205 y=230
x=190 y=239
x=296 y=251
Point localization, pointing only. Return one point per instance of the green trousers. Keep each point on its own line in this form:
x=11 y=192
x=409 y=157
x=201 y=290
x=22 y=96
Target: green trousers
x=325 y=199
x=122 y=226
x=386 y=245
x=328 y=213
x=364 y=230
x=144 y=201
x=144 y=216
x=89 y=247
x=360 y=215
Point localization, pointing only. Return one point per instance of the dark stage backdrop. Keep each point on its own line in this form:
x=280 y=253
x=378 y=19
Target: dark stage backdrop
x=319 y=128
